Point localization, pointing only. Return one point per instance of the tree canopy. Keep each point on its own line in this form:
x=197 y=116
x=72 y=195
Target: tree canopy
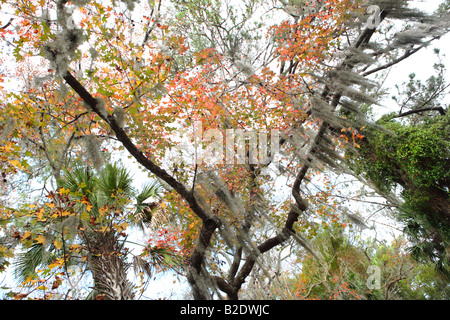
x=258 y=132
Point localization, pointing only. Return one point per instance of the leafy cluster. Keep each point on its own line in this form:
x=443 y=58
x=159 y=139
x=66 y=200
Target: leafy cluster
x=346 y=273
x=414 y=158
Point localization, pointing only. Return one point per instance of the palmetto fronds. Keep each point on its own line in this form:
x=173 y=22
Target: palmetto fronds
x=27 y=262
x=114 y=180
x=81 y=180
x=142 y=265
x=144 y=212
x=109 y=193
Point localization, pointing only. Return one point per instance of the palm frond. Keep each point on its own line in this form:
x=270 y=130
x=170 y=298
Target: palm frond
x=27 y=262
x=79 y=180
x=114 y=180
x=140 y=265
x=144 y=210
x=150 y=190
x=164 y=257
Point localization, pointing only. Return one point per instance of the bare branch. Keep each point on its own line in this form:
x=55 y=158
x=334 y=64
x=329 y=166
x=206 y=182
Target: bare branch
x=404 y=114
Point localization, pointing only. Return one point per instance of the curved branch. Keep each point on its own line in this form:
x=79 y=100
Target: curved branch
x=6 y=25
x=123 y=137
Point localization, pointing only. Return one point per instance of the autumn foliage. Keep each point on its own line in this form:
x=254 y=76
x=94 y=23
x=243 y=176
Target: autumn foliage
x=91 y=88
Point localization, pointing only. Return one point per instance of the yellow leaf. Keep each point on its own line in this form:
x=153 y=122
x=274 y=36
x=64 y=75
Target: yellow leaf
x=65 y=213
x=40 y=214
x=40 y=239
x=102 y=211
x=85 y=216
x=120 y=227
x=74 y=247
x=26 y=235
x=15 y=163
x=64 y=191
x=124 y=225
x=29 y=280
x=57 y=244
x=50 y=205
x=104 y=228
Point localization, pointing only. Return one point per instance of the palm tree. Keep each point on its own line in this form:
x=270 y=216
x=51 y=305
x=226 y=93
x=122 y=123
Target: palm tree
x=106 y=197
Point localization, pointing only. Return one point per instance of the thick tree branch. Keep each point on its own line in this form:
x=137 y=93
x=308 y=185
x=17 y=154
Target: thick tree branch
x=235 y=265
x=224 y=286
x=133 y=150
x=365 y=36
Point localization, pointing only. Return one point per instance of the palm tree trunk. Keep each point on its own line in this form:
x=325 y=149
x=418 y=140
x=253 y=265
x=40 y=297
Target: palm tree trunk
x=108 y=267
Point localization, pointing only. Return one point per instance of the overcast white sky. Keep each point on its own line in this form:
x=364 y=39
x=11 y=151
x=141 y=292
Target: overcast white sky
x=421 y=63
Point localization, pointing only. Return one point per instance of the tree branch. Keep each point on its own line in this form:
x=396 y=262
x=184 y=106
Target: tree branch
x=365 y=36
x=404 y=114
x=390 y=64
x=407 y=54
x=210 y=223
x=7 y=24
x=133 y=150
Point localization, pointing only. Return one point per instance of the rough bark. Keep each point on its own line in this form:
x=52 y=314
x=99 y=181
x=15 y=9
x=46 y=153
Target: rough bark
x=108 y=267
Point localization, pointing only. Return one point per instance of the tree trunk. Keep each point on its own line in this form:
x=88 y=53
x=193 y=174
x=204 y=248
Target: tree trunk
x=108 y=267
